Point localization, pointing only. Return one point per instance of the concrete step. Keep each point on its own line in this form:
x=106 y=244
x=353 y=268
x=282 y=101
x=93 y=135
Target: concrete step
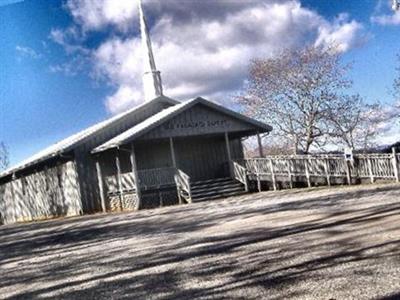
x=214 y=180
x=216 y=188
x=237 y=193
x=217 y=191
x=211 y=182
x=220 y=185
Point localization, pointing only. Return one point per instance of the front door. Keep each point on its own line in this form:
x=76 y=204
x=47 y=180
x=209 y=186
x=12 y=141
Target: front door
x=202 y=158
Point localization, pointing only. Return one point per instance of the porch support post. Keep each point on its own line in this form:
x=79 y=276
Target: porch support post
x=228 y=150
x=260 y=146
x=101 y=185
x=135 y=177
x=171 y=146
x=118 y=164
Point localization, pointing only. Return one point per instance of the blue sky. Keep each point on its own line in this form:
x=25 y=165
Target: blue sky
x=65 y=65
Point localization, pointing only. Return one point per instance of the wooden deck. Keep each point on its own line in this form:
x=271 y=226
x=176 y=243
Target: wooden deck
x=322 y=169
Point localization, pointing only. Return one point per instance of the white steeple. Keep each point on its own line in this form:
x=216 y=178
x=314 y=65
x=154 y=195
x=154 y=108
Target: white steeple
x=151 y=77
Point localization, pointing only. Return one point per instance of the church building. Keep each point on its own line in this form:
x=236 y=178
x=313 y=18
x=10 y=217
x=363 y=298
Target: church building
x=159 y=153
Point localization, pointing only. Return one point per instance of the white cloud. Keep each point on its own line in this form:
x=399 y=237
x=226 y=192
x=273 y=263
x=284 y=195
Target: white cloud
x=389 y=137
x=71 y=67
x=201 y=49
x=70 y=39
x=27 y=52
x=95 y=14
x=342 y=32
x=123 y=98
x=382 y=16
x=393 y=19
x=118 y=62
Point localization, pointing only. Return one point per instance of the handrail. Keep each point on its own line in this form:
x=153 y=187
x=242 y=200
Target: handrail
x=240 y=173
x=184 y=190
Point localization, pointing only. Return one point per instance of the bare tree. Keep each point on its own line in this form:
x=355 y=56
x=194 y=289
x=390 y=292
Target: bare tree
x=357 y=124
x=297 y=92
x=4 y=156
x=396 y=83
x=303 y=94
x=396 y=90
x=273 y=147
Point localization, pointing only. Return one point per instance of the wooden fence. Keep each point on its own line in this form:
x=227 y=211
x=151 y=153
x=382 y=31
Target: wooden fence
x=310 y=168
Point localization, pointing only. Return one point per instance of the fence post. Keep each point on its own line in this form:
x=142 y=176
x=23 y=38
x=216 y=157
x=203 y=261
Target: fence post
x=395 y=167
x=289 y=174
x=371 y=174
x=307 y=172
x=272 y=174
x=328 y=178
x=348 y=172
x=258 y=176
x=160 y=197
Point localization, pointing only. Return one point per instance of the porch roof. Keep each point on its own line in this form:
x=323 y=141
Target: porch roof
x=168 y=113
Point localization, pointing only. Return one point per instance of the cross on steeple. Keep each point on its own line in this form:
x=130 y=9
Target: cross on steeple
x=152 y=84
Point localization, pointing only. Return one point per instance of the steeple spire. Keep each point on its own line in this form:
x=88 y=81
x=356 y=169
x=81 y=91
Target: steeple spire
x=151 y=77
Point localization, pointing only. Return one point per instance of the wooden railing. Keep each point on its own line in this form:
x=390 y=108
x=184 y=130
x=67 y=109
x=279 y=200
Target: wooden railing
x=376 y=166
x=150 y=178
x=240 y=173
x=182 y=181
x=127 y=183
x=370 y=166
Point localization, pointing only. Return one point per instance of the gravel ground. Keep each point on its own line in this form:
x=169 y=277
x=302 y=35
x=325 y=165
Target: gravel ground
x=339 y=243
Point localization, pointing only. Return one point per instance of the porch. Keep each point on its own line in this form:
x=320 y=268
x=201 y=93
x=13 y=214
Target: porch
x=173 y=170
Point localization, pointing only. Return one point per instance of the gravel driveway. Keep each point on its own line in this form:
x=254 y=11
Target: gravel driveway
x=339 y=243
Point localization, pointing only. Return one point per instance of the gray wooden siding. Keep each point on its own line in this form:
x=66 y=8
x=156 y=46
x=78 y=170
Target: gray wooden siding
x=198 y=120
x=86 y=162
x=205 y=158
x=200 y=157
x=153 y=154
x=45 y=194
x=81 y=182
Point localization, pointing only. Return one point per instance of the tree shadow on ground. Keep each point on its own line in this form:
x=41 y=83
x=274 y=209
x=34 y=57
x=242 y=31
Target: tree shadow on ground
x=174 y=253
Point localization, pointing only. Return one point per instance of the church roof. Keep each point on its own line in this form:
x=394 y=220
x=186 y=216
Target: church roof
x=71 y=142
x=169 y=113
